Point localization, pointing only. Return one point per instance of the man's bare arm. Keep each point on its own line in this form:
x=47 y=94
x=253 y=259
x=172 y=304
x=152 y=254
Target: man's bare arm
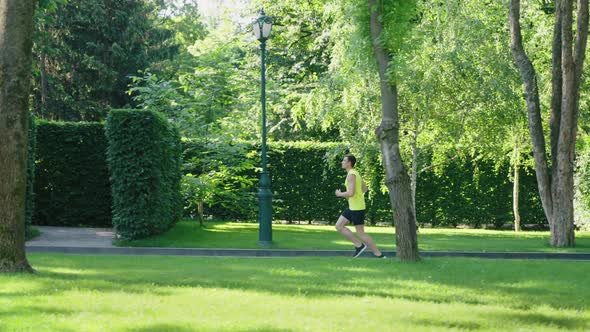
x=351 y=179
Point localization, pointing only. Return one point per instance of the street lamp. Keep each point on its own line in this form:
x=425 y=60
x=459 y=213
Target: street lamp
x=262 y=27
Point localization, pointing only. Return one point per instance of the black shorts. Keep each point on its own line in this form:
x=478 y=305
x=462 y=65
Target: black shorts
x=356 y=217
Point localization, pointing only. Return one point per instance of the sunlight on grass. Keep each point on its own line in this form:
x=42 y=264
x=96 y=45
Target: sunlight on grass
x=188 y=234
x=152 y=293
x=292 y=272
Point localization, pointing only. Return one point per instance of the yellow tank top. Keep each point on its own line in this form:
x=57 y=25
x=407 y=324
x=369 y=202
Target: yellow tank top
x=357 y=200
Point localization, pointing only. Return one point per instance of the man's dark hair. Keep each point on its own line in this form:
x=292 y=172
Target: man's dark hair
x=351 y=158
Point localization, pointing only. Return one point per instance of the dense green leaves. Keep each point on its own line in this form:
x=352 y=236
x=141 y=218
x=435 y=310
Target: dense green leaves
x=85 y=51
x=71 y=176
x=144 y=158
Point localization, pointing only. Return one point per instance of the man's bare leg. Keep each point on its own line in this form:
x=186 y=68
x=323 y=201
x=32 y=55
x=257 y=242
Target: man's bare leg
x=342 y=229
x=360 y=231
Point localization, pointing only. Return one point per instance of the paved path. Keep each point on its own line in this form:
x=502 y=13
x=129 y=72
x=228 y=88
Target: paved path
x=72 y=237
x=98 y=241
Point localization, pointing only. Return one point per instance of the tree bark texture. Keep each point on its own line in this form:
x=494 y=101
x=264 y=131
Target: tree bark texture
x=516 y=183
x=16 y=28
x=397 y=179
x=415 y=153
x=556 y=188
x=529 y=76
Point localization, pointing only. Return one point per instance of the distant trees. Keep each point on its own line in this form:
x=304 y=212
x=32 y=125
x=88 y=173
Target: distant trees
x=85 y=51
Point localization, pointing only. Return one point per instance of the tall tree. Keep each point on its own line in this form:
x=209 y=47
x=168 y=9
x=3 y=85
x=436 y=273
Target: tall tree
x=85 y=51
x=555 y=180
x=16 y=26
x=397 y=178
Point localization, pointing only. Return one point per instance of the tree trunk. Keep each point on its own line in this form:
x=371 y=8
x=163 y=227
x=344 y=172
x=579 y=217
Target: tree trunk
x=556 y=190
x=201 y=211
x=397 y=179
x=516 y=183
x=572 y=60
x=16 y=28
x=43 y=84
x=415 y=152
x=529 y=76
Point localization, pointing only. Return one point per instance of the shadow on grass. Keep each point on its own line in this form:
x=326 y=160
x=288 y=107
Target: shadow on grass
x=570 y=323
x=463 y=279
x=467 y=281
x=161 y=328
x=462 y=326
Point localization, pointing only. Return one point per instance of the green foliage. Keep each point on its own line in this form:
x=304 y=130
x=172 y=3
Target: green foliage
x=304 y=177
x=305 y=174
x=224 y=177
x=475 y=193
x=85 y=51
x=220 y=174
x=582 y=182
x=30 y=195
x=144 y=158
x=71 y=176
x=210 y=91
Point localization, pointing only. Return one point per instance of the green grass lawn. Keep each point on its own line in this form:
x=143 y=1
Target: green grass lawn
x=188 y=234
x=157 y=293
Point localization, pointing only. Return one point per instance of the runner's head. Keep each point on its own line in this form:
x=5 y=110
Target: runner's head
x=348 y=161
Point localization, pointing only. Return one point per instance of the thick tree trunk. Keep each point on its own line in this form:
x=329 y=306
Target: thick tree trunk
x=16 y=28
x=396 y=179
x=557 y=189
x=572 y=61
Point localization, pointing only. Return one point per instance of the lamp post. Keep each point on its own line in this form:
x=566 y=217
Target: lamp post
x=262 y=27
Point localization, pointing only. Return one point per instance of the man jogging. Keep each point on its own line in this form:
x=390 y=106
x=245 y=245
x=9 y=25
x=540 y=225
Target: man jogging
x=355 y=213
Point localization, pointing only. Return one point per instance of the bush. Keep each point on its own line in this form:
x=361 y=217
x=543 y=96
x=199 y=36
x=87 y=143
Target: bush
x=305 y=174
x=71 y=176
x=222 y=175
x=474 y=194
x=144 y=157
x=72 y=186
x=304 y=177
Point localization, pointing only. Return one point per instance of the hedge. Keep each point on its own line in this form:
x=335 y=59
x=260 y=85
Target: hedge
x=464 y=192
x=304 y=176
x=72 y=186
x=71 y=176
x=144 y=159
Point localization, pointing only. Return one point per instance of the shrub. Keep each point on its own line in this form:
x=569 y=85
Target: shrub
x=71 y=176
x=144 y=157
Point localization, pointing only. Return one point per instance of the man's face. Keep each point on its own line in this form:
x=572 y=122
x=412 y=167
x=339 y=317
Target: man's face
x=345 y=162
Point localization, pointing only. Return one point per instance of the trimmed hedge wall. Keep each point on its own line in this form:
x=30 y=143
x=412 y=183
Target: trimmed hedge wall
x=475 y=194
x=144 y=159
x=72 y=180
x=71 y=176
x=304 y=176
